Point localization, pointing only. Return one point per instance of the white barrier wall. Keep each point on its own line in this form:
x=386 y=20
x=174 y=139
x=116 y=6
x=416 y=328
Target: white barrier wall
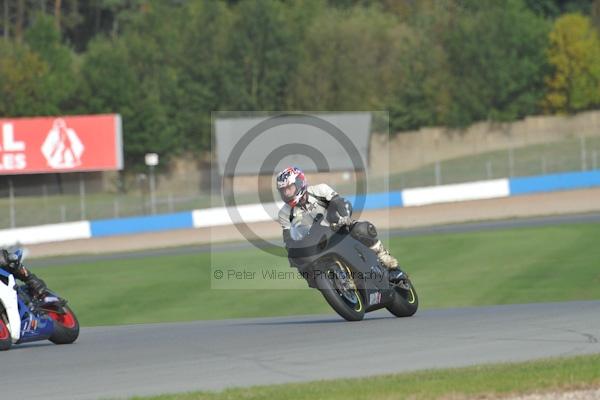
x=459 y=192
x=46 y=233
x=268 y=212
x=247 y=213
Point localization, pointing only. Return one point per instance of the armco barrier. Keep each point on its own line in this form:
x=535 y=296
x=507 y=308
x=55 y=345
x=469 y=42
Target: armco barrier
x=268 y=212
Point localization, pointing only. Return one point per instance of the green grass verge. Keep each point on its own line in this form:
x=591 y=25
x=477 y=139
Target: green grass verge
x=543 y=264
x=488 y=381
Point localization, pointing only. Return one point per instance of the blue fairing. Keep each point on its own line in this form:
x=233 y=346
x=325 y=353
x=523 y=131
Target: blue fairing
x=33 y=327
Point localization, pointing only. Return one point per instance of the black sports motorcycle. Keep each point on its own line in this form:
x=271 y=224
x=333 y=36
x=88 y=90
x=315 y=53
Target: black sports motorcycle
x=348 y=273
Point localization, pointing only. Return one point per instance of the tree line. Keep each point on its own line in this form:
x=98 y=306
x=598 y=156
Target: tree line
x=165 y=65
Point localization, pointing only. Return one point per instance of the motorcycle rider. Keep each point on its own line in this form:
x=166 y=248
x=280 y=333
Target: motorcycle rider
x=10 y=262
x=303 y=203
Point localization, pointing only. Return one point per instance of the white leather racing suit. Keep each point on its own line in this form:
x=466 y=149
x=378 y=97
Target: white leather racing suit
x=317 y=200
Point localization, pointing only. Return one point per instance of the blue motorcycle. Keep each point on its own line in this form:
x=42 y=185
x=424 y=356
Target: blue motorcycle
x=24 y=318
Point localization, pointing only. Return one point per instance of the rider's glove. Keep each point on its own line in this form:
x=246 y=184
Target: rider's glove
x=341 y=222
x=345 y=221
x=36 y=286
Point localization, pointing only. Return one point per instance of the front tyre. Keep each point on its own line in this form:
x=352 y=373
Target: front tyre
x=339 y=290
x=66 y=326
x=406 y=301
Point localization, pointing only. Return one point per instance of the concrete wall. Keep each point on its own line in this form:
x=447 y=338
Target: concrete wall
x=410 y=150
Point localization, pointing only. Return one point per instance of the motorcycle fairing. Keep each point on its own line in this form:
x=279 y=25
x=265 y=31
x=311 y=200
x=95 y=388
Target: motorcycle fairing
x=322 y=243
x=34 y=326
x=9 y=300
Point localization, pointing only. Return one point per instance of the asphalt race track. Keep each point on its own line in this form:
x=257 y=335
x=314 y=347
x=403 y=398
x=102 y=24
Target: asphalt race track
x=108 y=362
x=122 y=361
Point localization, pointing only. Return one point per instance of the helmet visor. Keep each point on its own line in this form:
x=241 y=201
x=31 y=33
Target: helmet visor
x=288 y=193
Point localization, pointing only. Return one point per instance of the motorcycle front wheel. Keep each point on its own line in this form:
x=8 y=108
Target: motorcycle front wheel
x=5 y=339
x=406 y=301
x=66 y=326
x=339 y=290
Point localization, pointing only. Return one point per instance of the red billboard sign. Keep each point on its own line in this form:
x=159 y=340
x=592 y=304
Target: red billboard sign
x=60 y=144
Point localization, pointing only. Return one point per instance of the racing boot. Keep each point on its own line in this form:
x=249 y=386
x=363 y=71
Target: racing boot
x=390 y=262
x=384 y=256
x=396 y=275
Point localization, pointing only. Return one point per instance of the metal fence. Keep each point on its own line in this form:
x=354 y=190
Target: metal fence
x=74 y=201
x=576 y=154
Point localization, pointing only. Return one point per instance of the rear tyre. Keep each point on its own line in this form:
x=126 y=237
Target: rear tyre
x=406 y=301
x=5 y=338
x=66 y=326
x=344 y=299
